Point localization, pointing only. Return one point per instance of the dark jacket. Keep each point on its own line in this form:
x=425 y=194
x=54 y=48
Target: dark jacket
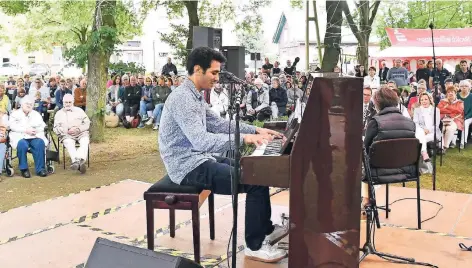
x=160 y=94
x=132 y=95
x=383 y=74
x=390 y=124
x=279 y=96
x=169 y=68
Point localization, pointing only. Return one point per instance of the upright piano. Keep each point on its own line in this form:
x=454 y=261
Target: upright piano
x=321 y=166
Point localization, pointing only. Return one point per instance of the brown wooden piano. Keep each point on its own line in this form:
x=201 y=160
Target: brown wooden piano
x=322 y=167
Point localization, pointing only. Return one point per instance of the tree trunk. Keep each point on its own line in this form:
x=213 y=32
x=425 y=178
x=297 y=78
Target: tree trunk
x=98 y=60
x=363 y=51
x=193 y=20
x=332 y=39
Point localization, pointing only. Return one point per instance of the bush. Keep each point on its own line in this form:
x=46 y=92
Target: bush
x=121 y=68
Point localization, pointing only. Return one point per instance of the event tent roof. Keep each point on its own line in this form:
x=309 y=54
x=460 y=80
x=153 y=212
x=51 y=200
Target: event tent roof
x=423 y=52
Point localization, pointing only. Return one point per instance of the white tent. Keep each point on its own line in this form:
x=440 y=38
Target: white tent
x=423 y=52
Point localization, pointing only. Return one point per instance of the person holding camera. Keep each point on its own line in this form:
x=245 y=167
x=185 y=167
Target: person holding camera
x=219 y=100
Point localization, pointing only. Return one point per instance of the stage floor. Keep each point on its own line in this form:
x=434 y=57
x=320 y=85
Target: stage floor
x=61 y=232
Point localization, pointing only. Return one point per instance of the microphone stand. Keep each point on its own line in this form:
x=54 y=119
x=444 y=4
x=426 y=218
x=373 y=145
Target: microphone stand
x=237 y=177
x=234 y=109
x=435 y=96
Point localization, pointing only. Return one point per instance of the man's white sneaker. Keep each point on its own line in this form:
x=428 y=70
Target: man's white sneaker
x=278 y=231
x=266 y=253
x=150 y=121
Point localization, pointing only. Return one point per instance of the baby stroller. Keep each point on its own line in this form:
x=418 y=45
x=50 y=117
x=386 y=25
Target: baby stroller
x=51 y=156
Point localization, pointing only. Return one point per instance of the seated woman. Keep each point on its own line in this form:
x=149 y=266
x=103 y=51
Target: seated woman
x=452 y=117
x=278 y=98
x=293 y=94
x=115 y=97
x=145 y=105
x=71 y=125
x=389 y=123
x=466 y=97
x=159 y=97
x=424 y=116
x=27 y=133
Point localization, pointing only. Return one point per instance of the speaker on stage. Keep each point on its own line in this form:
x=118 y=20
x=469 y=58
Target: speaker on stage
x=207 y=37
x=235 y=60
x=110 y=254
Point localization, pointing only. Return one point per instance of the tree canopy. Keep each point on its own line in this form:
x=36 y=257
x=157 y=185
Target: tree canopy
x=419 y=14
x=44 y=24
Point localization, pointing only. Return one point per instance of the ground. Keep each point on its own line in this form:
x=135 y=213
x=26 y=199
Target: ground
x=133 y=154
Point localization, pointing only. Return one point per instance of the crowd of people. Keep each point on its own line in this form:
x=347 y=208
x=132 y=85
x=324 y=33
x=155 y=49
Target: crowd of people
x=429 y=89
x=30 y=110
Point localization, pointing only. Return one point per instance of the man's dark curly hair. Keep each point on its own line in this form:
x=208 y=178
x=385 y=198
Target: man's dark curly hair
x=203 y=56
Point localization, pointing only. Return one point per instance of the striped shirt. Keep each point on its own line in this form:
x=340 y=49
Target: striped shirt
x=190 y=132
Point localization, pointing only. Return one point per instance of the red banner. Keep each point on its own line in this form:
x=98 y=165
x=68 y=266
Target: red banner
x=422 y=37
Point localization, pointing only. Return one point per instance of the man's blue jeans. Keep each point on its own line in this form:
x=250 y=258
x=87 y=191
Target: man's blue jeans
x=216 y=176
x=145 y=106
x=157 y=113
x=37 y=148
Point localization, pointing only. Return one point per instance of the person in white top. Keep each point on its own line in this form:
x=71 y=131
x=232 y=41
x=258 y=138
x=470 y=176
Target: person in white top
x=27 y=133
x=372 y=80
x=71 y=125
x=423 y=116
x=219 y=100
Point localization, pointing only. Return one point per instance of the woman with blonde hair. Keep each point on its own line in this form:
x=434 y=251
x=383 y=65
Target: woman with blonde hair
x=424 y=116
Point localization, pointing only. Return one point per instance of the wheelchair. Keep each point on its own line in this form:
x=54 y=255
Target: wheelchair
x=50 y=155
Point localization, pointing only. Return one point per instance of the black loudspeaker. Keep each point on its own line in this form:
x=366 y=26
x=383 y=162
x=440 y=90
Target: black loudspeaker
x=110 y=254
x=207 y=37
x=235 y=60
x=255 y=56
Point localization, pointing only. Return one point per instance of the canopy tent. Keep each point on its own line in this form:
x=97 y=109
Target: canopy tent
x=417 y=44
x=445 y=53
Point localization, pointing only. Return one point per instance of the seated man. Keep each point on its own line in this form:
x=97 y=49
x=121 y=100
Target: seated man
x=71 y=124
x=191 y=132
x=27 y=133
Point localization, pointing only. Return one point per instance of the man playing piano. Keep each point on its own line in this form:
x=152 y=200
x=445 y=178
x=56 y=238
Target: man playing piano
x=191 y=132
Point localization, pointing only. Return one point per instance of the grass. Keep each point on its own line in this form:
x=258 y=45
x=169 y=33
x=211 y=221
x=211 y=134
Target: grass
x=455 y=175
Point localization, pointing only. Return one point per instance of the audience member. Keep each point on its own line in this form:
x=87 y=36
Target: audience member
x=3 y=137
x=258 y=102
x=71 y=125
x=4 y=101
x=27 y=133
x=132 y=98
x=219 y=100
x=424 y=117
x=278 y=98
x=60 y=93
x=159 y=97
x=465 y=96
x=80 y=95
x=452 y=117
x=146 y=105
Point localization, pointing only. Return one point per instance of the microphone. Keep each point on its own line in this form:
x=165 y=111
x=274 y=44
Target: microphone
x=431 y=26
x=232 y=78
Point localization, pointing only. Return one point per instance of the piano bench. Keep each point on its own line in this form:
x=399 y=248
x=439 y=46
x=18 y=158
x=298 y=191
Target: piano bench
x=165 y=194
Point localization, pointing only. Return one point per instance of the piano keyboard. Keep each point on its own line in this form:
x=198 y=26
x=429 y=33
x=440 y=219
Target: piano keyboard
x=272 y=148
